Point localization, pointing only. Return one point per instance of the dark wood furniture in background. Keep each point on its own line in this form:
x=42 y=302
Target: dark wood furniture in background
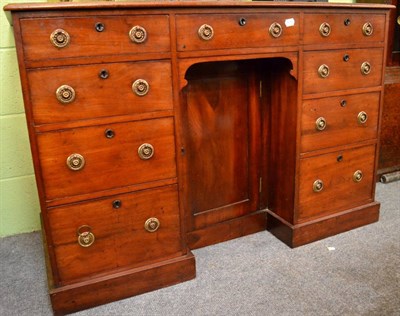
x=156 y=128
x=389 y=153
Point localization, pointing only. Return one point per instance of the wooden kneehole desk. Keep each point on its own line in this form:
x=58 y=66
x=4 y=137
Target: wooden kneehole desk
x=161 y=127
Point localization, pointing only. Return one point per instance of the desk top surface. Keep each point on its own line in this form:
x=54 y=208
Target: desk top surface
x=184 y=4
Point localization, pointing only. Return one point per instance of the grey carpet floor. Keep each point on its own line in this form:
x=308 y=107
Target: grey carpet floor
x=253 y=275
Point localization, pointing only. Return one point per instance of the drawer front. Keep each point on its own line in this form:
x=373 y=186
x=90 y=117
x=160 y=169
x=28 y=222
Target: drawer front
x=236 y=31
x=110 y=155
x=118 y=227
x=343 y=28
x=329 y=70
x=94 y=36
x=99 y=90
x=339 y=189
x=334 y=121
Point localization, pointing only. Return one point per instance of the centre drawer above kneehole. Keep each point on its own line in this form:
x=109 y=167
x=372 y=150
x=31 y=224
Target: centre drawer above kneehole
x=247 y=30
x=66 y=37
x=342 y=69
x=91 y=91
x=91 y=159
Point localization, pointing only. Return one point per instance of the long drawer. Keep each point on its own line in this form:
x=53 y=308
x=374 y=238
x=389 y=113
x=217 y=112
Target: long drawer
x=89 y=159
x=125 y=230
x=216 y=31
x=88 y=36
x=81 y=92
x=344 y=28
x=335 y=181
x=335 y=121
x=342 y=69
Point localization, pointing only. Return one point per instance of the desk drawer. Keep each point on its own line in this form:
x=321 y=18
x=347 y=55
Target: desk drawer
x=99 y=90
x=90 y=159
x=343 y=28
x=342 y=69
x=334 y=121
x=65 y=37
x=118 y=227
x=247 y=30
x=330 y=183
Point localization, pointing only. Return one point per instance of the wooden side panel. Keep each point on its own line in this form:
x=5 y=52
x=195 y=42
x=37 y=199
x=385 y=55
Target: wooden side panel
x=279 y=104
x=389 y=152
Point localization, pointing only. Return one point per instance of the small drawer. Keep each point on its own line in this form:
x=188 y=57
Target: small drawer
x=247 y=30
x=101 y=235
x=334 y=121
x=65 y=37
x=342 y=69
x=344 y=28
x=82 y=92
x=90 y=159
x=335 y=182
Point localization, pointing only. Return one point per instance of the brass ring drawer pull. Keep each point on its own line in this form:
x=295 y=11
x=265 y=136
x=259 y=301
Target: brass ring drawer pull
x=357 y=176
x=85 y=236
x=60 y=38
x=65 y=94
x=275 y=30
x=325 y=29
x=75 y=162
x=146 y=151
x=318 y=185
x=138 y=34
x=320 y=124
x=152 y=224
x=367 y=29
x=365 y=68
x=323 y=71
x=362 y=117
x=206 y=32
x=140 y=87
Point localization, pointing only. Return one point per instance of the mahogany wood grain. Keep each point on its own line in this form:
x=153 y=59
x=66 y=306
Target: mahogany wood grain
x=93 y=98
x=298 y=235
x=336 y=170
x=230 y=34
x=280 y=108
x=343 y=75
x=118 y=233
x=389 y=151
x=222 y=163
x=86 y=41
x=227 y=230
x=232 y=121
x=106 y=289
x=109 y=162
x=342 y=125
x=340 y=32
